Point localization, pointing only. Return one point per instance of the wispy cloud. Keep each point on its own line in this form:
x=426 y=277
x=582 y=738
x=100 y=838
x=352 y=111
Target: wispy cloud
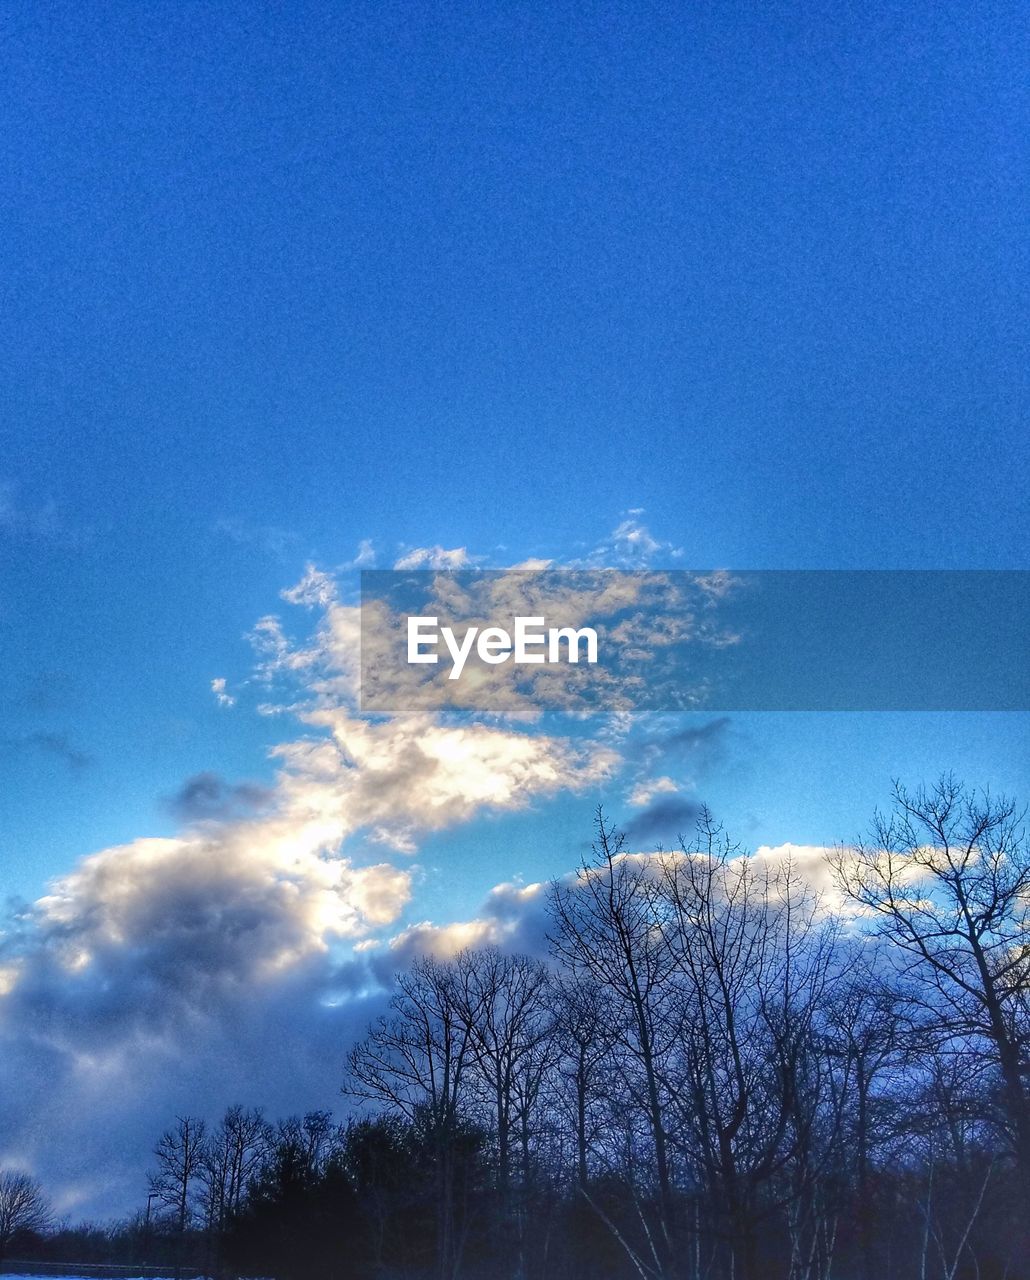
x=697 y=746
x=51 y=744
x=435 y=557
x=632 y=545
x=281 y=545
x=366 y=555
x=25 y=520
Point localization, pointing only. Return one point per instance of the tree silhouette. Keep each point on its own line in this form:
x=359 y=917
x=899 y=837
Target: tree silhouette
x=23 y=1207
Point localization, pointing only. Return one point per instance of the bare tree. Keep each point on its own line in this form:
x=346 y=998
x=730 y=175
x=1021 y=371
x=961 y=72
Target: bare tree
x=946 y=877
x=229 y=1162
x=180 y=1154
x=417 y=1062
x=604 y=932
x=733 y=1081
x=23 y=1207
x=504 y=1001
x=751 y=954
x=584 y=1040
x=305 y=1144
x=233 y=1156
x=868 y=1040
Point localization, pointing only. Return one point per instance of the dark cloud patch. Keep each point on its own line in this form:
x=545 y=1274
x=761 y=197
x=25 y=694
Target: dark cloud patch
x=281 y=1047
x=41 y=694
x=51 y=744
x=697 y=738
x=524 y=916
x=665 y=819
x=169 y=976
x=698 y=748
x=207 y=797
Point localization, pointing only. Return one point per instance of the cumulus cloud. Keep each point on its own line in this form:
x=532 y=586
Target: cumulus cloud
x=413 y=775
x=195 y=970
x=237 y=959
x=812 y=863
x=514 y=917
x=164 y=973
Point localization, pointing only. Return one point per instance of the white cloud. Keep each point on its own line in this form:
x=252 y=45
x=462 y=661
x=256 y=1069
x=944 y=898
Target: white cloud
x=178 y=973
x=513 y=916
x=223 y=698
x=408 y=776
x=435 y=557
x=644 y=792
x=366 y=556
x=631 y=545
x=316 y=588
x=812 y=863
x=199 y=969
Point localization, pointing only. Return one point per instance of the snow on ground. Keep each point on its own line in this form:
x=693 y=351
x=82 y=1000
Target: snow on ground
x=95 y=1273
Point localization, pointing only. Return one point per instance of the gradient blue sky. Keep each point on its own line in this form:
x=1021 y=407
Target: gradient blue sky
x=277 y=282
x=281 y=280
x=316 y=284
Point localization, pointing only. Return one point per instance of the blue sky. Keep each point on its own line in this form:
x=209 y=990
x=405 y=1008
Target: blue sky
x=281 y=281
